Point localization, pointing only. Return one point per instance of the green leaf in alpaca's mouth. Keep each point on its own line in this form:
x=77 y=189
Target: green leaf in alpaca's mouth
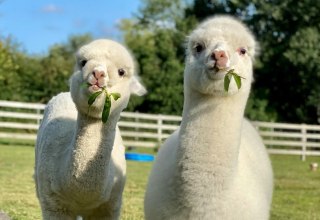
x=227 y=79
x=106 y=109
x=107 y=102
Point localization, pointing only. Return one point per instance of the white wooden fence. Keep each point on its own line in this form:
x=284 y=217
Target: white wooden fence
x=293 y=139
x=21 y=121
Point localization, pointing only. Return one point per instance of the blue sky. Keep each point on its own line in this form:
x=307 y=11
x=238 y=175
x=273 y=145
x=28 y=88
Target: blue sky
x=39 y=24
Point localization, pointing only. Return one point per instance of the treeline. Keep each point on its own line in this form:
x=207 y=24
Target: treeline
x=287 y=72
x=36 y=78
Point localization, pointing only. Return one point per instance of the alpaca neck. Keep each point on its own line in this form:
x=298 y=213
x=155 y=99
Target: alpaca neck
x=91 y=150
x=209 y=141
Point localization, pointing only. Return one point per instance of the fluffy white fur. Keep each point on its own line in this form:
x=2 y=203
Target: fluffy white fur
x=215 y=165
x=80 y=166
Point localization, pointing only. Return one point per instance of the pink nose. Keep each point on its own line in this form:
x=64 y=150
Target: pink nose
x=221 y=58
x=98 y=78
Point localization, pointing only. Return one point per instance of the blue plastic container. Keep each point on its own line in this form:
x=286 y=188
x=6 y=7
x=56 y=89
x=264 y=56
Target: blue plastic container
x=139 y=157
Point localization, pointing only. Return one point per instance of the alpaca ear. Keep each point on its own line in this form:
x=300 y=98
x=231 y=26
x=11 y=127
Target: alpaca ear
x=136 y=87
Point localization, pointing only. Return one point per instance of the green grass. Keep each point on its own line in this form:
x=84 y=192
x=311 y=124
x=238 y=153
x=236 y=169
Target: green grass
x=17 y=191
x=296 y=195
x=297 y=189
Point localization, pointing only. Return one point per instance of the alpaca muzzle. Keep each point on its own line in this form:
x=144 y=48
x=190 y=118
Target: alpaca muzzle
x=98 y=78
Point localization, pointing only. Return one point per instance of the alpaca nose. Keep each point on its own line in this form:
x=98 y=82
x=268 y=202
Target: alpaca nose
x=221 y=58
x=98 y=77
x=99 y=72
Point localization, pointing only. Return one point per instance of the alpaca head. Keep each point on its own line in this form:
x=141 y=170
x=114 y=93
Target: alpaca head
x=216 y=46
x=104 y=64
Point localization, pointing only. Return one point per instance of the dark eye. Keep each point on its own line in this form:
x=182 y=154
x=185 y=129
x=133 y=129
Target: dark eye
x=242 y=51
x=198 y=48
x=121 y=72
x=83 y=63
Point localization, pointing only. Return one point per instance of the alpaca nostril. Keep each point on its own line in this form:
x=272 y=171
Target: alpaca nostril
x=98 y=74
x=218 y=54
x=213 y=56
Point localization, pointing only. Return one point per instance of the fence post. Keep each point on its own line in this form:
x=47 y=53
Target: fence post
x=304 y=141
x=136 y=120
x=38 y=113
x=159 y=133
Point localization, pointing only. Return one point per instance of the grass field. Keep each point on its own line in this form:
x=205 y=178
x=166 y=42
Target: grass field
x=296 y=195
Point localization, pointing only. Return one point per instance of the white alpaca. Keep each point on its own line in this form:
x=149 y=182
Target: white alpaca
x=215 y=165
x=80 y=166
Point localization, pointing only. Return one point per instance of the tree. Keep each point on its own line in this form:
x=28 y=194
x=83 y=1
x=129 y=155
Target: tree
x=158 y=47
x=43 y=77
x=289 y=31
x=58 y=65
x=36 y=78
x=31 y=85
x=9 y=79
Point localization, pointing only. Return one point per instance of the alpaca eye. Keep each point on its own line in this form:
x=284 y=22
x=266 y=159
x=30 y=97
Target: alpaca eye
x=242 y=51
x=199 y=48
x=121 y=72
x=83 y=63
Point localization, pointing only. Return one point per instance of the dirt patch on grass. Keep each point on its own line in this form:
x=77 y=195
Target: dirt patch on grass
x=4 y=216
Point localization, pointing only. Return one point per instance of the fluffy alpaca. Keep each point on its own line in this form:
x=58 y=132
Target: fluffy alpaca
x=215 y=165
x=80 y=166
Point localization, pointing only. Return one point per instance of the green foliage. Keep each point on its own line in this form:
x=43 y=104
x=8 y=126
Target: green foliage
x=115 y=96
x=160 y=12
x=289 y=70
x=107 y=102
x=31 y=79
x=34 y=78
x=106 y=109
x=227 y=79
x=157 y=39
x=58 y=66
x=93 y=97
x=303 y=53
x=258 y=109
x=8 y=71
x=160 y=59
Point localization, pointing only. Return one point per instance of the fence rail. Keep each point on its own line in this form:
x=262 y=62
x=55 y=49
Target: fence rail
x=20 y=120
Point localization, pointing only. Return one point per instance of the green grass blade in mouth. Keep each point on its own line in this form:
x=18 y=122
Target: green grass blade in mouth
x=227 y=79
x=116 y=96
x=106 y=109
x=107 y=102
x=226 y=82
x=237 y=79
x=93 y=97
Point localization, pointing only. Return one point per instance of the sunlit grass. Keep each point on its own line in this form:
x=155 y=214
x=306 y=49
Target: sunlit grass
x=297 y=189
x=296 y=195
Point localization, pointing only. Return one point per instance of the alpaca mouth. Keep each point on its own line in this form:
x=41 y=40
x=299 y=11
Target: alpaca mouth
x=213 y=69
x=96 y=87
x=214 y=73
x=93 y=86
